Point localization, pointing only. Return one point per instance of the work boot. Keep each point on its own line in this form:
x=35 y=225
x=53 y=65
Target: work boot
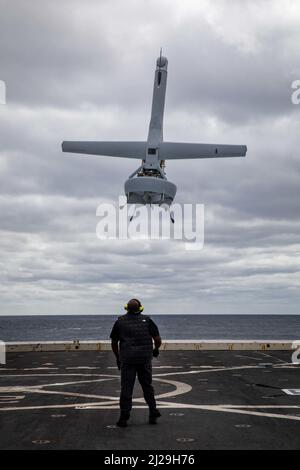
x=122 y=423
x=154 y=414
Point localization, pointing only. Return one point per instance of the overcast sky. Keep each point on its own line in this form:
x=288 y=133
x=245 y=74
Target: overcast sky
x=84 y=70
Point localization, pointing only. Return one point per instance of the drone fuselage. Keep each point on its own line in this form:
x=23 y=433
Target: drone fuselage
x=149 y=184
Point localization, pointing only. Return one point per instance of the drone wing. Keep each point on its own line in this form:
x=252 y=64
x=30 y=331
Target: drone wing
x=124 y=149
x=167 y=150
x=177 y=150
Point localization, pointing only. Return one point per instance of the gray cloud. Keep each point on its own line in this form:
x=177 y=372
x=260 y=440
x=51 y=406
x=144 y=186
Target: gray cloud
x=84 y=71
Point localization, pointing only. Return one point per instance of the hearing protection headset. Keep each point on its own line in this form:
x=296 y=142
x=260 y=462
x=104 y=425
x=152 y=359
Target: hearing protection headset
x=140 y=307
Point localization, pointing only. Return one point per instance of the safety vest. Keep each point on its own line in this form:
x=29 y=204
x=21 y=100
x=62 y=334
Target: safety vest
x=135 y=339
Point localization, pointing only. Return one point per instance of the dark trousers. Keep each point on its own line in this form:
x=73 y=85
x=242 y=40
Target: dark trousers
x=128 y=375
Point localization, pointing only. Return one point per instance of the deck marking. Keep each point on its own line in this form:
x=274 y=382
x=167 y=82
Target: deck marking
x=103 y=402
x=78 y=382
x=167 y=367
x=291 y=391
x=262 y=406
x=71 y=394
x=239 y=409
x=180 y=388
x=12 y=397
x=59 y=375
x=269 y=355
x=82 y=367
x=248 y=357
x=217 y=369
x=202 y=367
x=185 y=439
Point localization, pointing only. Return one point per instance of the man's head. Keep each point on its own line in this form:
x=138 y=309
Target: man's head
x=134 y=306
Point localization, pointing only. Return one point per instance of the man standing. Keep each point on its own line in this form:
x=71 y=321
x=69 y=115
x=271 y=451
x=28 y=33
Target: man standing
x=135 y=333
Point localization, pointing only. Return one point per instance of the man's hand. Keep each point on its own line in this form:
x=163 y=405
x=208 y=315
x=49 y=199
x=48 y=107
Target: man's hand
x=115 y=348
x=155 y=352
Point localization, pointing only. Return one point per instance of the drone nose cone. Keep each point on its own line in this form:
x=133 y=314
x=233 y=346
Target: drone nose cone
x=162 y=61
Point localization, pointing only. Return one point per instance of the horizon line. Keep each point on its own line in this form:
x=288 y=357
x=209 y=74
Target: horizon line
x=114 y=314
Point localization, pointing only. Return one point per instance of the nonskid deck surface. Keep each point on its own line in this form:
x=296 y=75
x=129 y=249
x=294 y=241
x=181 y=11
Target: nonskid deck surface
x=208 y=400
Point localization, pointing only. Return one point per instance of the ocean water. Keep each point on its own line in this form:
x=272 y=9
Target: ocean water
x=97 y=327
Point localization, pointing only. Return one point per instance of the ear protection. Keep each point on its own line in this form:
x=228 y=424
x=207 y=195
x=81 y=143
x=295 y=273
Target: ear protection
x=140 y=308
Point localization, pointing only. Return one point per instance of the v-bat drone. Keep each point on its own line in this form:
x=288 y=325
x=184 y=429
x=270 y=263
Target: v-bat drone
x=148 y=184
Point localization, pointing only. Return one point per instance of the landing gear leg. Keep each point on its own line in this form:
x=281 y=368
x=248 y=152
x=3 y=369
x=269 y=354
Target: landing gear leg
x=132 y=214
x=167 y=208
